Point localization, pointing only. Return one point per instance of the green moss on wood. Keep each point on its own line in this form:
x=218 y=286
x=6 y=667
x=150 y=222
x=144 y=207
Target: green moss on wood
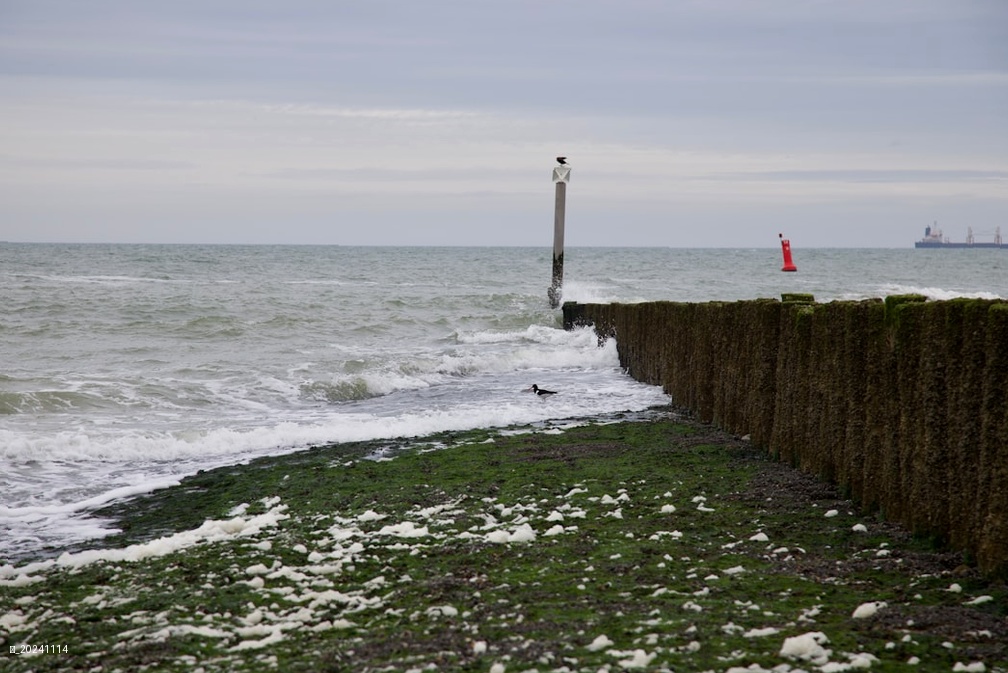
x=902 y=402
x=894 y=303
x=797 y=298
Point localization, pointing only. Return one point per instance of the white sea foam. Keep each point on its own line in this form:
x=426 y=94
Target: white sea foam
x=484 y=352
x=116 y=466
x=936 y=293
x=540 y=334
x=592 y=293
x=33 y=511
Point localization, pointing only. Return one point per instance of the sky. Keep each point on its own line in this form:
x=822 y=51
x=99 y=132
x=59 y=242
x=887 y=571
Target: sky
x=686 y=123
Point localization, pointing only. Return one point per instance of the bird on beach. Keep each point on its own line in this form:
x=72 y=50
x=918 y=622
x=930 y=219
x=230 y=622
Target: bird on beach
x=562 y=161
x=539 y=391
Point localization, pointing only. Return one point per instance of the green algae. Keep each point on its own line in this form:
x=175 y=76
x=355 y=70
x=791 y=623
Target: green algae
x=797 y=298
x=676 y=540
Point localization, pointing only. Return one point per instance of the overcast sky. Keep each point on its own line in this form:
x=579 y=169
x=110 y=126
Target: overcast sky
x=849 y=123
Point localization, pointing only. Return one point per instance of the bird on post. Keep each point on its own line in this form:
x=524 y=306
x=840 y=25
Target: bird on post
x=562 y=161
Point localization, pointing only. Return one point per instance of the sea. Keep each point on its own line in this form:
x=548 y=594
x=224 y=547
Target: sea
x=124 y=368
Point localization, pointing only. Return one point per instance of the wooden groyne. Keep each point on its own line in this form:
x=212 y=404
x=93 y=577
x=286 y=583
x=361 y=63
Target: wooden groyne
x=902 y=402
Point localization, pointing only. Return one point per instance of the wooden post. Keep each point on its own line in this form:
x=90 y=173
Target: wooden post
x=561 y=175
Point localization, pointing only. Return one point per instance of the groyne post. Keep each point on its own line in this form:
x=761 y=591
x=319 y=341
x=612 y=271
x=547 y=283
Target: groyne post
x=561 y=175
x=902 y=403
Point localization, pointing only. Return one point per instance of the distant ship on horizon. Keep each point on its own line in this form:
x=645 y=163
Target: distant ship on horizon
x=933 y=238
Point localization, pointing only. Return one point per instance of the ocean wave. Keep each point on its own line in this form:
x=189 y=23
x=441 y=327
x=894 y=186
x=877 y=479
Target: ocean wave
x=491 y=400
x=97 y=465
x=537 y=334
x=49 y=401
x=211 y=326
x=360 y=387
x=32 y=513
x=114 y=280
x=479 y=353
x=592 y=293
x=935 y=293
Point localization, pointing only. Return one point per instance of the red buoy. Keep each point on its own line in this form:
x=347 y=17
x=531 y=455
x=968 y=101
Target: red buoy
x=786 y=249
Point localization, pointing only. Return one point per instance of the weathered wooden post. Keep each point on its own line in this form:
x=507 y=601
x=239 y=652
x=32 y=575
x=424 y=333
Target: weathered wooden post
x=561 y=174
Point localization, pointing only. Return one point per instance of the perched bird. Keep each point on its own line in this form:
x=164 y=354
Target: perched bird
x=562 y=161
x=539 y=391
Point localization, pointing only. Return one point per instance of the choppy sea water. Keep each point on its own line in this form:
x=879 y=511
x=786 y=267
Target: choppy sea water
x=126 y=367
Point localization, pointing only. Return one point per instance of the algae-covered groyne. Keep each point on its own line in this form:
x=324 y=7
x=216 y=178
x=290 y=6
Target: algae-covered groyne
x=902 y=402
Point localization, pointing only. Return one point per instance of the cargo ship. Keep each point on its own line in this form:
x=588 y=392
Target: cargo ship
x=933 y=238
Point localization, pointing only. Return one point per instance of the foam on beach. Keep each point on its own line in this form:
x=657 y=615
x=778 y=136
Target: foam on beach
x=308 y=572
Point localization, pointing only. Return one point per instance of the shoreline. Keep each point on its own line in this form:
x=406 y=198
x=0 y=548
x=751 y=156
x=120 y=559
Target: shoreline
x=660 y=543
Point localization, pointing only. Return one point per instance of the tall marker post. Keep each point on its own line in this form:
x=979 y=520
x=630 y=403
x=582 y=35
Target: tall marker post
x=561 y=175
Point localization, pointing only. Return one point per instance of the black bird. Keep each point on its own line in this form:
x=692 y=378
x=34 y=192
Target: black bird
x=539 y=391
x=562 y=161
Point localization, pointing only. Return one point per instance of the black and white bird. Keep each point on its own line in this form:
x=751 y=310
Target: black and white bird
x=562 y=161
x=539 y=391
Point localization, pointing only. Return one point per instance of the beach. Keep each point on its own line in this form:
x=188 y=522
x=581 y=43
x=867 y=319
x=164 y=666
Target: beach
x=652 y=543
x=129 y=367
